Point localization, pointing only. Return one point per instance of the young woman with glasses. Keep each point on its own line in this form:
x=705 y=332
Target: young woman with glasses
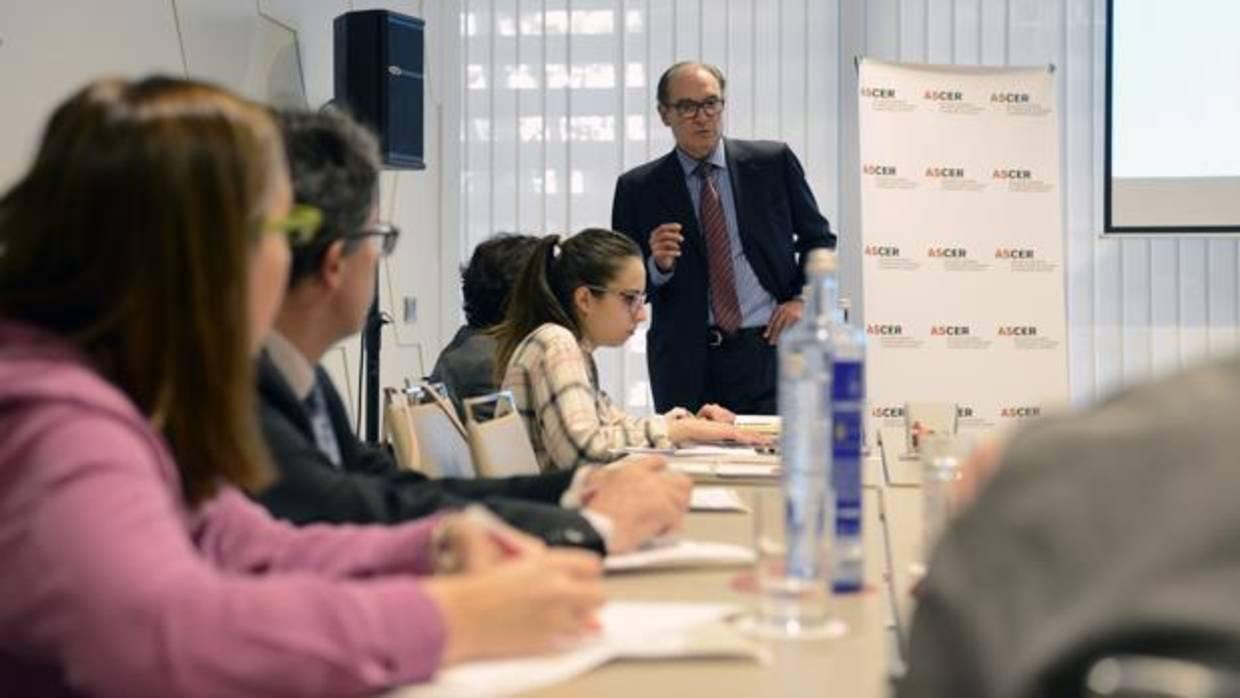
x=573 y=297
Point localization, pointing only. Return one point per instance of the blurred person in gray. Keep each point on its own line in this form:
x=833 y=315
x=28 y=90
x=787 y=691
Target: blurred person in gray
x=1111 y=531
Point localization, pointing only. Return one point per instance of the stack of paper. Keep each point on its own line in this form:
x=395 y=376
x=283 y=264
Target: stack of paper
x=630 y=630
x=691 y=467
x=676 y=553
x=715 y=451
x=716 y=499
x=763 y=424
x=758 y=470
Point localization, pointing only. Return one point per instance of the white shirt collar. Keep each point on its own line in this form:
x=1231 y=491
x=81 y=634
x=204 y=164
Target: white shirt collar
x=292 y=364
x=717 y=157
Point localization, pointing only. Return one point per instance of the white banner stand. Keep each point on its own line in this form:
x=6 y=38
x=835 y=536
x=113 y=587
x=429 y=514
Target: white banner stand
x=962 y=271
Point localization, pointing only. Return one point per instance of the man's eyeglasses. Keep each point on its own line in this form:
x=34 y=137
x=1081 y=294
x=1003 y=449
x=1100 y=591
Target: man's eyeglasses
x=387 y=231
x=633 y=300
x=688 y=108
x=300 y=225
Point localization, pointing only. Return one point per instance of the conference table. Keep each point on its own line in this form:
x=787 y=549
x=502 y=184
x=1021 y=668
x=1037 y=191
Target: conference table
x=900 y=510
x=857 y=665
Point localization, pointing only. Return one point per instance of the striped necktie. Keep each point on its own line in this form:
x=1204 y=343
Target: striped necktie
x=723 y=301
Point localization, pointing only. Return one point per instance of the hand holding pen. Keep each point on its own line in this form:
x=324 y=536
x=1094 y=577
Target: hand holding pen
x=475 y=540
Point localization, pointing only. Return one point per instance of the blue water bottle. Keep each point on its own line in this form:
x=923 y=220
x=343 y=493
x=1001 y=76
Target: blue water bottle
x=848 y=435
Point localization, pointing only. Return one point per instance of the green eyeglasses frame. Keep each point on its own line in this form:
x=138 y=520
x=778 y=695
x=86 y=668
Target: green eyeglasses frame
x=300 y=225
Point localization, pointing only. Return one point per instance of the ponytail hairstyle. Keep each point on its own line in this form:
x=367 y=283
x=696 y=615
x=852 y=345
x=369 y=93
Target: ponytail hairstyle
x=555 y=269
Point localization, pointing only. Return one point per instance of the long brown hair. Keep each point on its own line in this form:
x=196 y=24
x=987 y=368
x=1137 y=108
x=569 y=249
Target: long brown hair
x=555 y=269
x=131 y=236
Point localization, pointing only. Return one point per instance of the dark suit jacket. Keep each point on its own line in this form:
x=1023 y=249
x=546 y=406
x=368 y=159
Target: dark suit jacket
x=370 y=488
x=467 y=366
x=779 y=224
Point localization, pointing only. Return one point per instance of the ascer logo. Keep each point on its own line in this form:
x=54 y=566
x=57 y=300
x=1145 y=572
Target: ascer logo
x=1011 y=173
x=1019 y=412
x=878 y=170
x=947 y=252
x=1013 y=253
x=882 y=251
x=1009 y=98
x=1018 y=331
x=887 y=412
x=884 y=330
x=878 y=92
x=949 y=331
x=943 y=95
x=945 y=172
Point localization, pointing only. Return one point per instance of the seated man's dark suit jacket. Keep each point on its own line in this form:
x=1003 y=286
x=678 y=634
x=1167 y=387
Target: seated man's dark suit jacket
x=370 y=488
x=779 y=224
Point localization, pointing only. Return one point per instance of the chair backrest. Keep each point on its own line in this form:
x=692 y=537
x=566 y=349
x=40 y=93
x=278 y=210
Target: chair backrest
x=443 y=446
x=1144 y=676
x=500 y=444
x=398 y=424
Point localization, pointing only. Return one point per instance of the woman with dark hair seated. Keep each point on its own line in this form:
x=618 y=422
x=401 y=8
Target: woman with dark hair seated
x=574 y=296
x=142 y=259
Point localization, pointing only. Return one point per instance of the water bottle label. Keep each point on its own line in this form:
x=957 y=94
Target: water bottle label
x=846 y=455
x=849 y=526
x=847 y=416
x=849 y=381
x=846 y=433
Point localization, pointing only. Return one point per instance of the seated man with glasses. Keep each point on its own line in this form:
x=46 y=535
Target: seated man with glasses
x=725 y=227
x=325 y=473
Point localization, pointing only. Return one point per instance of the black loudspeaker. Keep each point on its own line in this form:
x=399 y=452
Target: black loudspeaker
x=378 y=69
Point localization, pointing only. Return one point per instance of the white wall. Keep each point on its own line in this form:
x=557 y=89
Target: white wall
x=275 y=51
x=1135 y=306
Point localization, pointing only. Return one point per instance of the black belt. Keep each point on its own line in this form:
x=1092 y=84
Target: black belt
x=716 y=337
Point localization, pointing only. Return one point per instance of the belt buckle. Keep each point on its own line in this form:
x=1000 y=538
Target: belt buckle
x=714 y=337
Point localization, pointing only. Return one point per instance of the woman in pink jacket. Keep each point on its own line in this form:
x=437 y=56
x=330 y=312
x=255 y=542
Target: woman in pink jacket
x=142 y=258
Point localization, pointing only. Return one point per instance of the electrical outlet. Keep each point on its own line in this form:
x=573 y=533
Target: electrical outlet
x=411 y=310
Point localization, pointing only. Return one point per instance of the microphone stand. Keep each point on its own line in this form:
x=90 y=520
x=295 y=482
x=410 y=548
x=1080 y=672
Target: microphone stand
x=372 y=338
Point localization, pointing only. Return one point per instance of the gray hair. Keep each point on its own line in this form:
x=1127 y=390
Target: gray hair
x=666 y=79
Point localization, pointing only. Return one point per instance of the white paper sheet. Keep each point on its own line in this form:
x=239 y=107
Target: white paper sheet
x=746 y=470
x=692 y=467
x=757 y=420
x=630 y=450
x=679 y=553
x=630 y=629
x=716 y=499
x=708 y=451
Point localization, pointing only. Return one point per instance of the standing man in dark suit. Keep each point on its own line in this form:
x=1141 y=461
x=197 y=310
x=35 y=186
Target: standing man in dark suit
x=725 y=226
